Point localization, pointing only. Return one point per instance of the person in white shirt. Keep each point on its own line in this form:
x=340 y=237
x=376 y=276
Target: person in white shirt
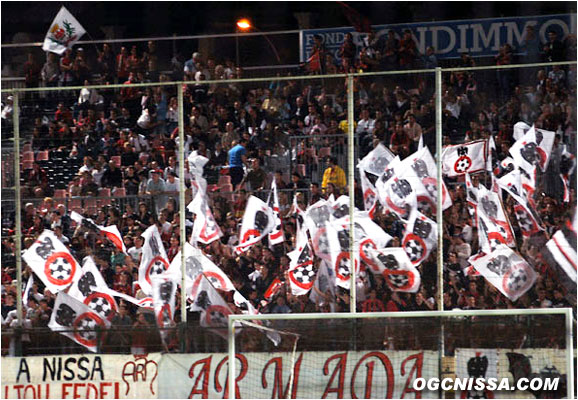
x=365 y=125
x=135 y=252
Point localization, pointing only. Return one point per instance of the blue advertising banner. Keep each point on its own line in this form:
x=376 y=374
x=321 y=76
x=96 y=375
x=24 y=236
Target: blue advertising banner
x=478 y=37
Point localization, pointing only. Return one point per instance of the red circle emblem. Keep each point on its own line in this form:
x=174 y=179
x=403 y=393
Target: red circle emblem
x=109 y=299
x=48 y=272
x=216 y=279
x=213 y=311
x=151 y=264
x=414 y=237
x=387 y=273
x=462 y=164
x=363 y=246
x=90 y=316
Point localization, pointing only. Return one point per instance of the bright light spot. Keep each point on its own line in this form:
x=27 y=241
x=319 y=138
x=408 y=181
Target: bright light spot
x=244 y=24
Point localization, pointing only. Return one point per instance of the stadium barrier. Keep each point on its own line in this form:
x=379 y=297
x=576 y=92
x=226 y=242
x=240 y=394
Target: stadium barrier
x=376 y=355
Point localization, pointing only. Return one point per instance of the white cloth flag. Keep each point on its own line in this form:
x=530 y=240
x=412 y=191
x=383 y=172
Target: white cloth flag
x=317 y=218
x=90 y=289
x=205 y=229
x=164 y=299
x=197 y=265
x=520 y=129
x=422 y=166
x=506 y=271
x=276 y=235
x=376 y=161
x=154 y=260
x=368 y=236
x=395 y=192
x=468 y=157
x=492 y=220
x=420 y=237
x=214 y=310
x=369 y=193
x=110 y=232
x=301 y=272
x=533 y=149
x=324 y=287
x=77 y=321
x=258 y=222
x=52 y=262
x=397 y=269
x=562 y=248
x=64 y=31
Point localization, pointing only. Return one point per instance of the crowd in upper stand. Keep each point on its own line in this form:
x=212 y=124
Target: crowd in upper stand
x=122 y=146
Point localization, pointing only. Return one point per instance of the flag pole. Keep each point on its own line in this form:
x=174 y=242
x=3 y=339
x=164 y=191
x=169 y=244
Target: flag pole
x=439 y=216
x=351 y=183
x=18 y=205
x=182 y=188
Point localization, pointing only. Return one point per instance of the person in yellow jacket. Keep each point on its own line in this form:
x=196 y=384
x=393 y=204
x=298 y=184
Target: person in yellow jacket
x=334 y=174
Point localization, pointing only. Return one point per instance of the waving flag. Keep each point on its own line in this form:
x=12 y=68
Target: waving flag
x=198 y=265
x=561 y=251
x=493 y=225
x=301 y=271
x=422 y=166
x=420 y=237
x=506 y=271
x=214 y=310
x=76 y=320
x=377 y=160
x=398 y=270
x=368 y=236
x=369 y=193
x=64 y=32
x=567 y=168
x=472 y=199
x=205 y=229
x=324 y=286
x=395 y=192
x=91 y=289
x=258 y=222
x=317 y=219
x=533 y=149
x=154 y=260
x=164 y=299
x=52 y=262
x=461 y=158
x=110 y=232
x=276 y=235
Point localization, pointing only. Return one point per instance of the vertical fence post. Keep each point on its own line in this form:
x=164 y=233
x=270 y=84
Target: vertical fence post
x=351 y=184
x=439 y=214
x=232 y=357
x=18 y=206
x=182 y=189
x=569 y=354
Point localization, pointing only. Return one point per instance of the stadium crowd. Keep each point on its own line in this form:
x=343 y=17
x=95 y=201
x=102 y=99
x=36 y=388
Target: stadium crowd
x=121 y=145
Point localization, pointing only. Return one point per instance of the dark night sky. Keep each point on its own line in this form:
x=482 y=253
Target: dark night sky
x=188 y=18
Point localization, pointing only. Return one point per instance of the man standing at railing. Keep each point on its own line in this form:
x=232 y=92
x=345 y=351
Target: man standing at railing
x=334 y=174
x=237 y=158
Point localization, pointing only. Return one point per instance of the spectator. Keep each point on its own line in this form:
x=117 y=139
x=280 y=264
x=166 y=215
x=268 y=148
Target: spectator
x=237 y=159
x=333 y=175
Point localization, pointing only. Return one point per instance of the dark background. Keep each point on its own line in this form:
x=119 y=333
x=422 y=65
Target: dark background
x=144 y=19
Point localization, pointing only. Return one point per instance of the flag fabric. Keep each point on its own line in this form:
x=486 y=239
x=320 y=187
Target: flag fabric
x=339 y=245
x=493 y=225
x=422 y=165
x=63 y=33
x=76 y=320
x=468 y=157
x=420 y=237
x=368 y=236
x=324 y=285
x=197 y=163
x=26 y=293
x=377 y=160
x=164 y=299
x=198 y=265
x=360 y=22
x=472 y=199
x=258 y=222
x=567 y=168
x=369 y=193
x=51 y=261
x=154 y=260
x=301 y=272
x=562 y=250
x=110 y=232
x=316 y=220
x=397 y=269
x=145 y=302
x=533 y=149
x=396 y=193
x=276 y=235
x=214 y=310
x=273 y=289
x=506 y=271
x=520 y=129
x=91 y=290
x=205 y=229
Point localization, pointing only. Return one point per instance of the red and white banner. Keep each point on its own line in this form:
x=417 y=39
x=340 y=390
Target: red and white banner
x=76 y=320
x=420 y=237
x=493 y=225
x=276 y=235
x=301 y=271
x=205 y=229
x=258 y=222
x=506 y=271
x=214 y=310
x=396 y=193
x=396 y=267
x=164 y=300
x=376 y=161
x=562 y=248
x=461 y=158
x=110 y=232
x=369 y=193
x=533 y=149
x=91 y=289
x=51 y=261
x=154 y=260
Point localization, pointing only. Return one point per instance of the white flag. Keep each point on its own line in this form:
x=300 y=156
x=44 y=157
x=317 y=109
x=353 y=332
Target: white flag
x=276 y=235
x=562 y=248
x=77 y=321
x=395 y=192
x=506 y=271
x=164 y=299
x=205 y=229
x=369 y=193
x=301 y=272
x=324 y=285
x=214 y=310
x=376 y=161
x=461 y=158
x=52 y=262
x=397 y=269
x=110 y=232
x=420 y=237
x=64 y=31
x=154 y=260
x=91 y=290
x=493 y=225
x=258 y=222
x=533 y=149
